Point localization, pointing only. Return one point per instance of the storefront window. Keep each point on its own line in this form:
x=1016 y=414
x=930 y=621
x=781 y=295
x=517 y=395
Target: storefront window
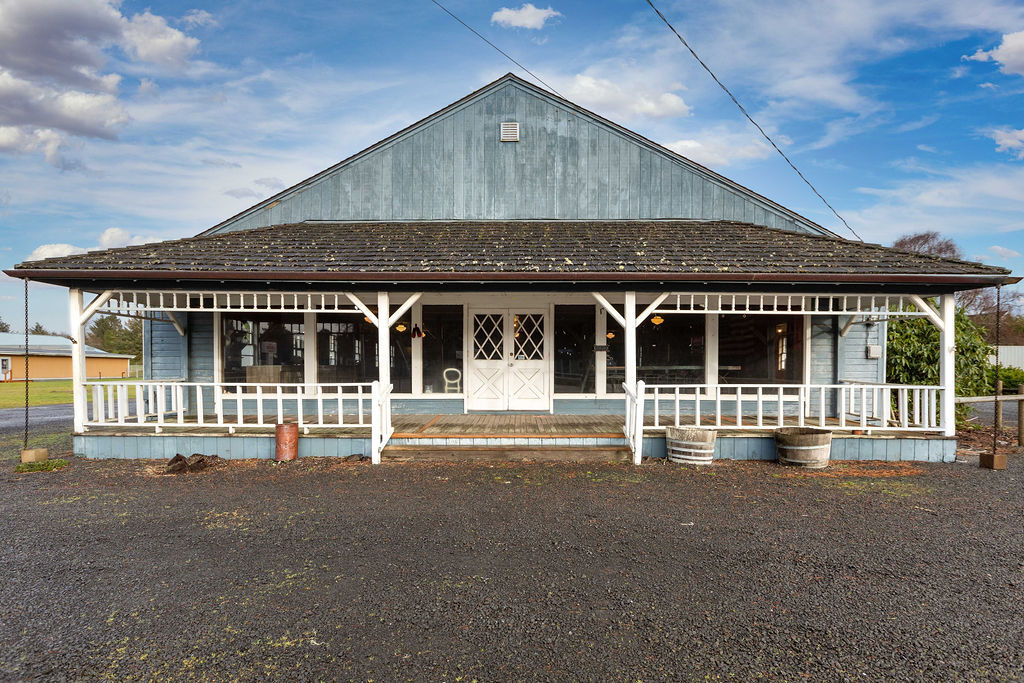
x=442 y=349
x=574 y=349
x=760 y=349
x=346 y=348
x=262 y=349
x=670 y=349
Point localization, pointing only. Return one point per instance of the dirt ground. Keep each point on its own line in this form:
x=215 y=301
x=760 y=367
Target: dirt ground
x=320 y=569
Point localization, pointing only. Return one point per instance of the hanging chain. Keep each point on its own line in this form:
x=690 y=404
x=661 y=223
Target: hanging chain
x=999 y=406
x=25 y=440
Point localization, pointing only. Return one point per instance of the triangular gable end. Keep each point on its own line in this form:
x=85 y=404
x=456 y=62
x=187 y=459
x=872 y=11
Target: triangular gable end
x=567 y=164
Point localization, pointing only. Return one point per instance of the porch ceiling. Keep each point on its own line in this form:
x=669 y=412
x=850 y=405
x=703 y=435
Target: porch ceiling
x=514 y=251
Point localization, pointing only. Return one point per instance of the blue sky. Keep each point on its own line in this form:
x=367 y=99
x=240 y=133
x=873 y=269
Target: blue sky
x=127 y=122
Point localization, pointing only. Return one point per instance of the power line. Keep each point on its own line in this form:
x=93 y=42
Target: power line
x=507 y=55
x=749 y=118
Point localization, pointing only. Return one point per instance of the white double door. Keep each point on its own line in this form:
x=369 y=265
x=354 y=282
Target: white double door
x=508 y=359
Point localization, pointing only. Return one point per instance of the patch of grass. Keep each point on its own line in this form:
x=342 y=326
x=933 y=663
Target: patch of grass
x=898 y=488
x=58 y=443
x=44 y=466
x=41 y=393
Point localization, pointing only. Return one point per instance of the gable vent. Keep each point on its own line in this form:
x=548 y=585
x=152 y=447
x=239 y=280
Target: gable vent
x=510 y=131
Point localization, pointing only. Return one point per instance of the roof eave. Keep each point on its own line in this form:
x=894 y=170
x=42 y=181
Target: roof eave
x=65 y=275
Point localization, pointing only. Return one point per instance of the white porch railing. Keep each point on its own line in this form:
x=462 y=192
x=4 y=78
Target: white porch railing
x=158 y=404
x=868 y=407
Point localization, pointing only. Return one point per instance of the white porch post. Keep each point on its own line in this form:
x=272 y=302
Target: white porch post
x=77 y=331
x=630 y=341
x=383 y=340
x=947 y=366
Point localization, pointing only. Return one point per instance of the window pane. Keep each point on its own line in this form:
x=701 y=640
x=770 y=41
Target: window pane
x=262 y=348
x=442 y=349
x=346 y=345
x=346 y=348
x=671 y=351
x=760 y=349
x=615 y=358
x=574 y=349
x=401 y=354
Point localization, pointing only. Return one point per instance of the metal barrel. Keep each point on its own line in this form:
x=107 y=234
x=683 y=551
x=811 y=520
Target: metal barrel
x=691 y=446
x=803 y=446
x=286 y=438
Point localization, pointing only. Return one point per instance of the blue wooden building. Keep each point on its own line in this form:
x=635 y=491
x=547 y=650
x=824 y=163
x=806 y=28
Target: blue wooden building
x=513 y=272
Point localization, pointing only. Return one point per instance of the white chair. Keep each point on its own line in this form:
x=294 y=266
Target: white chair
x=452 y=381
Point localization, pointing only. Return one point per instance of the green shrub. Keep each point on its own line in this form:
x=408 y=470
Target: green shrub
x=1012 y=378
x=913 y=356
x=44 y=466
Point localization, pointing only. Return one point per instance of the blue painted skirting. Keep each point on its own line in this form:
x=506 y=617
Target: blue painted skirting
x=726 y=447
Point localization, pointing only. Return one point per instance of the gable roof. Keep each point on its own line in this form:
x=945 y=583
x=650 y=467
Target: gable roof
x=13 y=344
x=567 y=251
x=570 y=163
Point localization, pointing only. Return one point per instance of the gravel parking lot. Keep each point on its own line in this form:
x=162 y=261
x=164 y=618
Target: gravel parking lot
x=325 y=569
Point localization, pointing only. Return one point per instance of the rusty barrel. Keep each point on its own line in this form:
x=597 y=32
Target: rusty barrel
x=690 y=445
x=803 y=446
x=286 y=441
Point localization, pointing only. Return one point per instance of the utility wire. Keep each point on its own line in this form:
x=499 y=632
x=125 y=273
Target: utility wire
x=749 y=118
x=507 y=55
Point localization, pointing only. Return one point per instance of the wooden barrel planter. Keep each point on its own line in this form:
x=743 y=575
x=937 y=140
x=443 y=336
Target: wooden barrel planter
x=689 y=445
x=803 y=446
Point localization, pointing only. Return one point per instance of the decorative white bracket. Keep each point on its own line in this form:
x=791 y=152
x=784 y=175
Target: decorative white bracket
x=928 y=310
x=95 y=304
x=650 y=309
x=403 y=308
x=176 y=322
x=609 y=308
x=358 y=303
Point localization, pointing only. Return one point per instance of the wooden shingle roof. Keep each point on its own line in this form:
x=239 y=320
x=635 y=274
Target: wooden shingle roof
x=503 y=250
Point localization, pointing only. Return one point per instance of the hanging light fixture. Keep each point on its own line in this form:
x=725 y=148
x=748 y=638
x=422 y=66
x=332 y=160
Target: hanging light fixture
x=400 y=327
x=367 y=318
x=657 y=319
x=610 y=335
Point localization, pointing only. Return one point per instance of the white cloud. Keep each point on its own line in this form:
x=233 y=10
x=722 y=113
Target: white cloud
x=928 y=148
x=623 y=98
x=966 y=201
x=1009 y=54
x=526 y=16
x=270 y=183
x=958 y=72
x=222 y=163
x=54 y=251
x=242 y=193
x=198 y=17
x=1007 y=140
x=988 y=86
x=111 y=238
x=1004 y=252
x=717 y=147
x=148 y=38
x=922 y=122
x=52 y=57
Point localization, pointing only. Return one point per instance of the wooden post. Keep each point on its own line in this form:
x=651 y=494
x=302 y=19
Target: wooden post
x=630 y=341
x=383 y=340
x=77 y=331
x=947 y=369
x=1020 y=416
x=998 y=416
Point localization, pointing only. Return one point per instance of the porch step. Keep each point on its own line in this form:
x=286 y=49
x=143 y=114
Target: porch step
x=509 y=453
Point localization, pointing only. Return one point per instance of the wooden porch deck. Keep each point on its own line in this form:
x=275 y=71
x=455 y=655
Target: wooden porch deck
x=476 y=425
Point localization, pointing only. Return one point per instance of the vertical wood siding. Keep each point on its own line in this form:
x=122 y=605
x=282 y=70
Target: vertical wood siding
x=566 y=166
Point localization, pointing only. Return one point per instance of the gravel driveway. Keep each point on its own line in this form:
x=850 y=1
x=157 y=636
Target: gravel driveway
x=325 y=569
